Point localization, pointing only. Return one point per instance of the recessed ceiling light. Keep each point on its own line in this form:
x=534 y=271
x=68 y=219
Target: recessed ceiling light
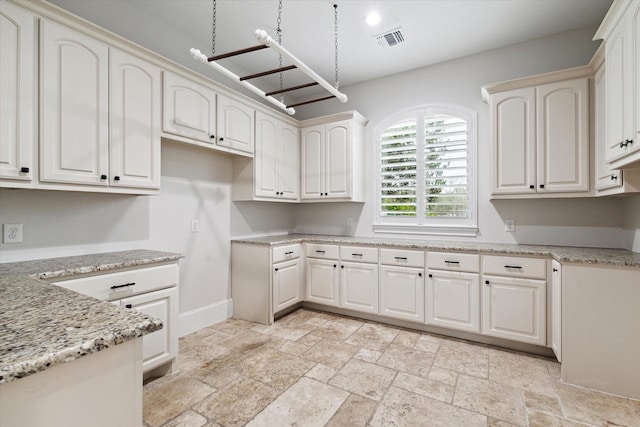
x=372 y=18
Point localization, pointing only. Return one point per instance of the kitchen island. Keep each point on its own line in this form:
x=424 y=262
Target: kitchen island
x=65 y=358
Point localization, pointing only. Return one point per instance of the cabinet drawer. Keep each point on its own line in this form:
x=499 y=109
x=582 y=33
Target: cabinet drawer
x=122 y=284
x=403 y=257
x=453 y=261
x=283 y=253
x=356 y=253
x=514 y=266
x=314 y=250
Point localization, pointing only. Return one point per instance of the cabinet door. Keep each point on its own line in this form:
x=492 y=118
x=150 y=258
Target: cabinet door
x=17 y=88
x=266 y=156
x=453 y=300
x=134 y=119
x=513 y=128
x=189 y=109
x=338 y=160
x=286 y=284
x=74 y=143
x=605 y=177
x=359 y=286
x=313 y=160
x=556 y=309
x=160 y=346
x=635 y=60
x=514 y=309
x=402 y=293
x=235 y=124
x=618 y=87
x=563 y=136
x=288 y=174
x=322 y=281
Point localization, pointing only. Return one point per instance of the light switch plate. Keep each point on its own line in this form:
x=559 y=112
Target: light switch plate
x=509 y=225
x=11 y=233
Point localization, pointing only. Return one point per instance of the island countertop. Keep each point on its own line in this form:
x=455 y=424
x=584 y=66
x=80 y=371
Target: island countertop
x=563 y=254
x=43 y=325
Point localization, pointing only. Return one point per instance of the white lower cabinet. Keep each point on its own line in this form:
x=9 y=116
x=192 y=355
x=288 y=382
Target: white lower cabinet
x=556 y=309
x=286 y=284
x=453 y=300
x=158 y=347
x=402 y=292
x=359 y=286
x=514 y=309
x=322 y=281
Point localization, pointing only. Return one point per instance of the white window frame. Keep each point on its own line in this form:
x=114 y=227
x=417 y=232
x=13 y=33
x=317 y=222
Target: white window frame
x=462 y=227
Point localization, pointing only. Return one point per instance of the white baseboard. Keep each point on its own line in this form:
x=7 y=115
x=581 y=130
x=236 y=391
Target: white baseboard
x=202 y=317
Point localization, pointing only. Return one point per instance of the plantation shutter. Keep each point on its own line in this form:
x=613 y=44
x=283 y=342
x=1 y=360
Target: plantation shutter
x=398 y=170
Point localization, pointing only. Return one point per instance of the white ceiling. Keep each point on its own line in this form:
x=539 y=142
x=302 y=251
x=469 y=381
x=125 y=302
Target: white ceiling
x=436 y=30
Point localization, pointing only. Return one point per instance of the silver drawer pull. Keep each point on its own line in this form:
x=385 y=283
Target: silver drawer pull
x=288 y=253
x=513 y=266
x=320 y=252
x=356 y=254
x=452 y=262
x=123 y=286
x=401 y=258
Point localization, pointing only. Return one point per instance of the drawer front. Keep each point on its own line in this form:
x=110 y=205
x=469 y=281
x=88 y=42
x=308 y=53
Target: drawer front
x=515 y=266
x=402 y=257
x=358 y=254
x=111 y=286
x=284 y=253
x=453 y=261
x=314 y=250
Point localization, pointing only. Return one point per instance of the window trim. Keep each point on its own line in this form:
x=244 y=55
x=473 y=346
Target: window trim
x=467 y=227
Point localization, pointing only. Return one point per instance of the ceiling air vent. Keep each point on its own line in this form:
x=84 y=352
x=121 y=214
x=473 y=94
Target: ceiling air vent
x=391 y=38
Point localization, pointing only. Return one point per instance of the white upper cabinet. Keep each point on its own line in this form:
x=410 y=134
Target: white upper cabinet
x=189 y=109
x=276 y=160
x=134 y=118
x=195 y=113
x=620 y=30
x=74 y=143
x=332 y=158
x=540 y=137
x=17 y=95
x=235 y=124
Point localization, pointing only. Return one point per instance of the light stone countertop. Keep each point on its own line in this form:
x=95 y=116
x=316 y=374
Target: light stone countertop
x=43 y=325
x=563 y=254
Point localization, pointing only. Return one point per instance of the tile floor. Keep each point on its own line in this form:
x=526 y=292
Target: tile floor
x=316 y=369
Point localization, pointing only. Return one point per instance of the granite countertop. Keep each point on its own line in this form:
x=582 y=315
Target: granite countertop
x=566 y=254
x=43 y=325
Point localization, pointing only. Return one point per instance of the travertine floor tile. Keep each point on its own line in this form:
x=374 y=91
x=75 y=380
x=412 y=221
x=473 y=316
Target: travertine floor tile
x=173 y=397
x=294 y=348
x=195 y=357
x=407 y=339
x=331 y=353
x=245 y=341
x=309 y=339
x=307 y=402
x=540 y=419
x=197 y=338
x=367 y=355
x=321 y=373
x=428 y=343
x=238 y=403
x=542 y=403
x=187 y=419
x=335 y=330
x=492 y=422
x=466 y=359
x=232 y=326
x=372 y=336
x=495 y=400
x=274 y=368
x=404 y=409
x=277 y=330
x=591 y=407
x=522 y=371
x=424 y=387
x=366 y=379
x=407 y=360
x=446 y=376
x=355 y=411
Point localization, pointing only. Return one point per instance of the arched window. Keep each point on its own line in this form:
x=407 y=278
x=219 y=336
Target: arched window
x=426 y=172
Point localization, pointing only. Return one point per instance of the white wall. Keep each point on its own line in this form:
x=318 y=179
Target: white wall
x=584 y=222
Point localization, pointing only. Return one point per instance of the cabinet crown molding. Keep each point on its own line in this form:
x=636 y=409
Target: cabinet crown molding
x=347 y=115
x=611 y=19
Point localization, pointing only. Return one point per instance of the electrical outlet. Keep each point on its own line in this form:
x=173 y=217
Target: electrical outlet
x=12 y=233
x=509 y=225
x=349 y=222
x=195 y=225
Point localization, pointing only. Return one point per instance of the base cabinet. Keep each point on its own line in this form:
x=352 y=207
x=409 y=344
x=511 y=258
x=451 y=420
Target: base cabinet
x=556 y=309
x=453 y=300
x=359 y=286
x=515 y=309
x=286 y=284
x=402 y=293
x=322 y=281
